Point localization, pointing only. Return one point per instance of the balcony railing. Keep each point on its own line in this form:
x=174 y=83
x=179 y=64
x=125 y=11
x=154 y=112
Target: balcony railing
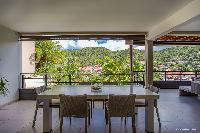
x=138 y=77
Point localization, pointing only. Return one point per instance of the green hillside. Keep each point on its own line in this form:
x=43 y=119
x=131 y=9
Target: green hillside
x=186 y=58
x=59 y=62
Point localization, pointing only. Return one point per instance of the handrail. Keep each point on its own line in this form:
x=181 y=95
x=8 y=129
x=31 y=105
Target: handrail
x=138 y=76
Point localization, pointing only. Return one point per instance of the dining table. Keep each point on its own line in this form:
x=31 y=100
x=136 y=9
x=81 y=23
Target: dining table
x=102 y=94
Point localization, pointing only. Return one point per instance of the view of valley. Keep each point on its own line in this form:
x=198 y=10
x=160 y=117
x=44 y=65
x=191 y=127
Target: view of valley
x=86 y=64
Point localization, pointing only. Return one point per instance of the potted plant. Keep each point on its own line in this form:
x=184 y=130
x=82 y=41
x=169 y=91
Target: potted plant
x=3 y=88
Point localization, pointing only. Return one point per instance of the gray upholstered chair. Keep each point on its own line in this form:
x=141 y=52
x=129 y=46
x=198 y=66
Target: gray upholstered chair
x=120 y=106
x=74 y=106
x=55 y=103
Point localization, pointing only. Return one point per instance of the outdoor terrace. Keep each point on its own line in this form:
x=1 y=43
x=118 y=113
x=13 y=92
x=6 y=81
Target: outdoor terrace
x=178 y=115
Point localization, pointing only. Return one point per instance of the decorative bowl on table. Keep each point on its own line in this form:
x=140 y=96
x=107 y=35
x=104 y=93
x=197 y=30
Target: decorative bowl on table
x=96 y=88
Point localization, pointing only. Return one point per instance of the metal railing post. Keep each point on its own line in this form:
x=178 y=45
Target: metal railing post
x=45 y=79
x=70 y=79
x=22 y=83
x=143 y=79
x=165 y=76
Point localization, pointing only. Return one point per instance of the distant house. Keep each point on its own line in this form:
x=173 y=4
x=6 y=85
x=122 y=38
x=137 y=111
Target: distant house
x=176 y=75
x=142 y=62
x=90 y=68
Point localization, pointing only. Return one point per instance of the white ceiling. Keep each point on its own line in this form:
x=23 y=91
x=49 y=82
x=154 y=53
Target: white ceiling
x=86 y=15
x=192 y=25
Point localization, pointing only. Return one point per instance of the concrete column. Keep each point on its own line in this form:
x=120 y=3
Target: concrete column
x=149 y=62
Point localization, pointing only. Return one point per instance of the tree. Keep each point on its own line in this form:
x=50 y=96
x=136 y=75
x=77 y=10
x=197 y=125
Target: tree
x=51 y=58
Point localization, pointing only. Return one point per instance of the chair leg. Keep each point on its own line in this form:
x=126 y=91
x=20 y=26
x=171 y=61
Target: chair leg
x=61 y=124
x=70 y=121
x=59 y=112
x=35 y=115
x=133 y=125
x=86 y=124
x=125 y=120
x=103 y=104
x=88 y=117
x=158 y=116
x=109 y=124
x=106 y=116
x=93 y=103
x=91 y=108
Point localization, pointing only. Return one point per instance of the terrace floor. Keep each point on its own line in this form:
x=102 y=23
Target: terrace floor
x=178 y=114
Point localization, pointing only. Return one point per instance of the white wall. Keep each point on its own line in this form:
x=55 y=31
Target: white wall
x=28 y=48
x=10 y=63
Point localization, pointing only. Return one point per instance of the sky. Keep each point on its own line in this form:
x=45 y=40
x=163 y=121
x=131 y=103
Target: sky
x=112 y=45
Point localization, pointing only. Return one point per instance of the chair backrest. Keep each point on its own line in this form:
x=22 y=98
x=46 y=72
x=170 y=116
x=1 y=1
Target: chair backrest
x=121 y=105
x=73 y=105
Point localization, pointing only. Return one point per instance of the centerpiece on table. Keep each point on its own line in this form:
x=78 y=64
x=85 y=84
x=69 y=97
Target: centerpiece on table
x=96 y=88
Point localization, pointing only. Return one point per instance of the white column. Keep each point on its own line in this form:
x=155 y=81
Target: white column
x=149 y=62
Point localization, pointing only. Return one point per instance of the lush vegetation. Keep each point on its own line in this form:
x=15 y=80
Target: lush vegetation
x=3 y=87
x=185 y=58
x=60 y=63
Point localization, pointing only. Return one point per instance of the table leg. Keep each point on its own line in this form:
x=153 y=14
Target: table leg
x=47 y=116
x=149 y=116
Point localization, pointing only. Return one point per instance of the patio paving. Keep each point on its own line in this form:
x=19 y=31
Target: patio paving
x=178 y=114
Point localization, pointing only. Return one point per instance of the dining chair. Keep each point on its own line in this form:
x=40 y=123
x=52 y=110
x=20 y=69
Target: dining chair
x=120 y=106
x=89 y=100
x=142 y=103
x=55 y=103
x=74 y=106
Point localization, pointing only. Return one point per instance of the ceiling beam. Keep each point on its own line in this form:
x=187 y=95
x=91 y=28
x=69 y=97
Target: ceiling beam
x=82 y=37
x=185 y=14
x=83 y=33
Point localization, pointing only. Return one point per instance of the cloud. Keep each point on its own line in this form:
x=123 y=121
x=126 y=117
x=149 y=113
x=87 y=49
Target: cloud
x=69 y=44
x=112 y=45
x=155 y=48
x=139 y=47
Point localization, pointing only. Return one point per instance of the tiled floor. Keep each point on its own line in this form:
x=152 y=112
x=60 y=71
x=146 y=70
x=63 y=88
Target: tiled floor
x=178 y=114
